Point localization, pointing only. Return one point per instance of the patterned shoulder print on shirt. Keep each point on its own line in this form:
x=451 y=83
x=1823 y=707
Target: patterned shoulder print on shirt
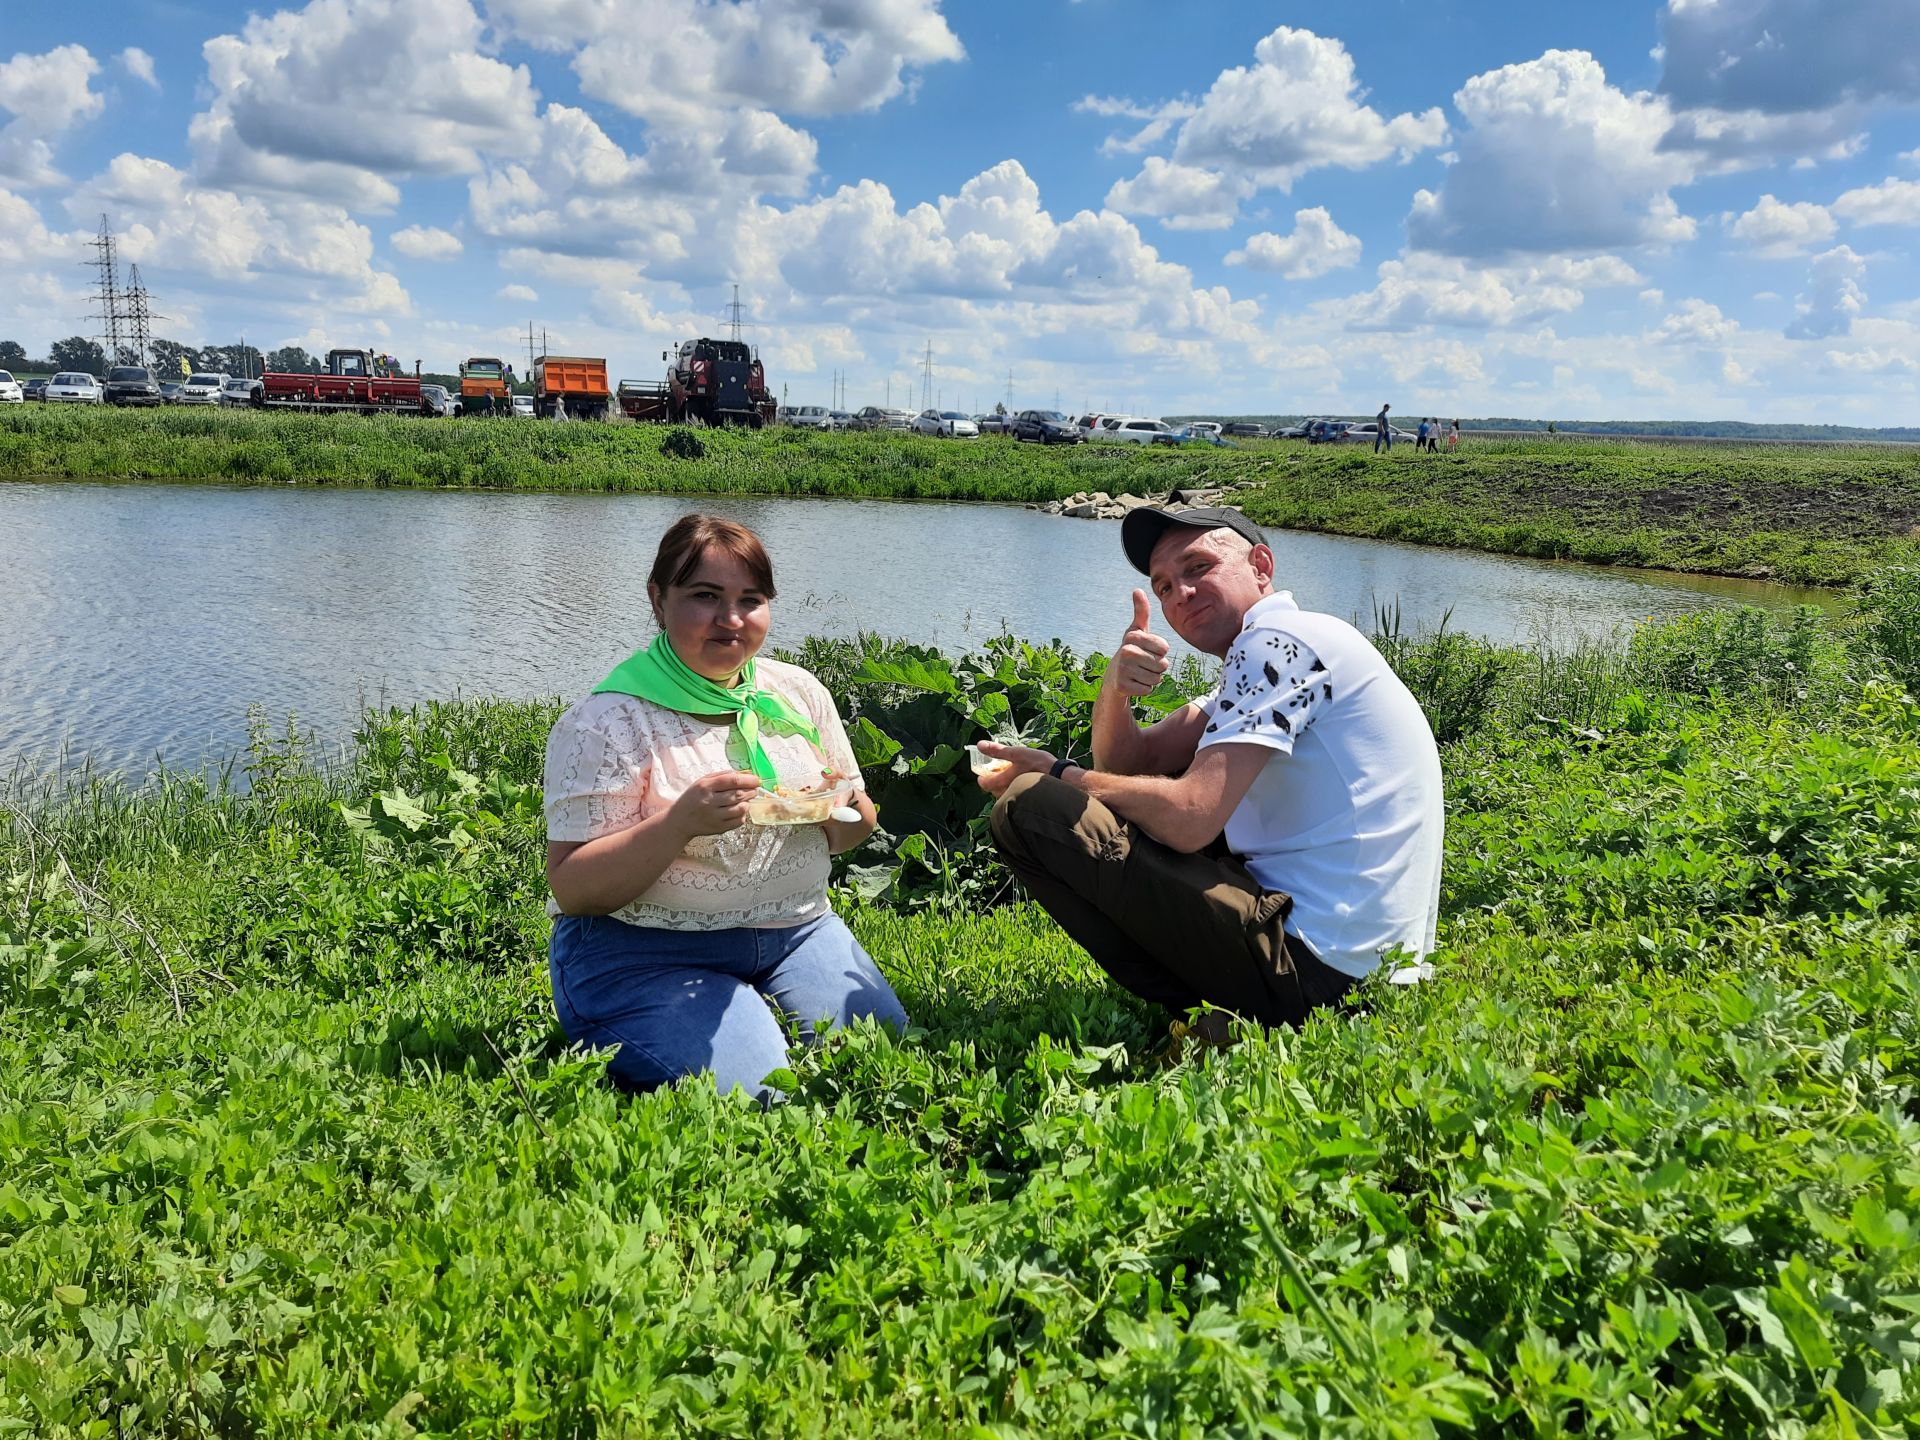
x=1273 y=688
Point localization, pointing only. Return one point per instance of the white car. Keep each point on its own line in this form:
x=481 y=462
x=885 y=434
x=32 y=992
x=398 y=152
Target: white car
x=1205 y=427
x=439 y=402
x=810 y=417
x=950 y=424
x=74 y=387
x=10 y=391
x=1131 y=430
x=202 y=388
x=238 y=390
x=522 y=404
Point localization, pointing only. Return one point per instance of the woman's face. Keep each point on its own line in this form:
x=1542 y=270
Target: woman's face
x=717 y=620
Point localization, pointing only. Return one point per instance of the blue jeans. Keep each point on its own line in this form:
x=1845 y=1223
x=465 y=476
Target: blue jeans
x=1382 y=437
x=676 y=1002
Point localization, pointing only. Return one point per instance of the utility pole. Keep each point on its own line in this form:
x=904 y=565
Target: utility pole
x=529 y=350
x=139 y=316
x=1009 y=389
x=733 y=312
x=926 y=380
x=107 y=296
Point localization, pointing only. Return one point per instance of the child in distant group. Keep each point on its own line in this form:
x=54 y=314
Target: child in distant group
x=1453 y=435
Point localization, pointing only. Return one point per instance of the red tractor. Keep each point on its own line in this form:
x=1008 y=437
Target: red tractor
x=353 y=380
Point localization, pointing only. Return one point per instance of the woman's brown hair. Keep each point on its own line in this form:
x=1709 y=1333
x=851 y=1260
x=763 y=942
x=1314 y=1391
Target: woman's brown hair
x=690 y=537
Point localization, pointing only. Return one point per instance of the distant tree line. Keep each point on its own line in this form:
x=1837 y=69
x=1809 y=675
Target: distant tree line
x=77 y=352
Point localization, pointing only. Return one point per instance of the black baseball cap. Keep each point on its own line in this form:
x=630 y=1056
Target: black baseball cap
x=1142 y=528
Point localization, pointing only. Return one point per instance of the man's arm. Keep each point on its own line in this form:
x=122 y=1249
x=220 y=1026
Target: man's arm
x=1120 y=745
x=1183 y=813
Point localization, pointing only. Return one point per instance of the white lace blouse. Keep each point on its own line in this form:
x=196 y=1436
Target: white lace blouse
x=613 y=760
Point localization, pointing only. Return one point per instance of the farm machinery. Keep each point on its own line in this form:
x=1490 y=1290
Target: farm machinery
x=355 y=380
x=716 y=382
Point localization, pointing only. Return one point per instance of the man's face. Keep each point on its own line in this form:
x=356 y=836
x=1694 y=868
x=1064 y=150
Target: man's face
x=1206 y=581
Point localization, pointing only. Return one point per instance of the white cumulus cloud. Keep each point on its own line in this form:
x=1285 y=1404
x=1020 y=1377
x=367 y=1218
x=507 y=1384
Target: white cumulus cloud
x=1696 y=322
x=1183 y=197
x=1554 y=159
x=1425 y=289
x=524 y=294
x=1299 y=107
x=47 y=94
x=1315 y=247
x=1891 y=202
x=139 y=64
x=333 y=100
x=424 y=242
x=1833 y=297
x=681 y=60
x=1773 y=227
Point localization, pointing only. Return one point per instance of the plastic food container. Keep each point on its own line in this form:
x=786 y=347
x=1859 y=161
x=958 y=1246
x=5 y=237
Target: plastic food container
x=809 y=807
x=984 y=764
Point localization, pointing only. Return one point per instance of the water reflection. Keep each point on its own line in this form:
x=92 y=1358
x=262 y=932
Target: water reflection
x=142 y=621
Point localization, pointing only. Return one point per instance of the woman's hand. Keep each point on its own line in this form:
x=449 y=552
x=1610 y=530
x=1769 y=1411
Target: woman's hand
x=1015 y=761
x=714 y=804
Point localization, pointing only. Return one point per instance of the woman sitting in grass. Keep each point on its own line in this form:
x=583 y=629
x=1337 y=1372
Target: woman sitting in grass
x=678 y=921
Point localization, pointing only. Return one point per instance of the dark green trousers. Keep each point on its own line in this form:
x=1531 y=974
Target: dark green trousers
x=1174 y=928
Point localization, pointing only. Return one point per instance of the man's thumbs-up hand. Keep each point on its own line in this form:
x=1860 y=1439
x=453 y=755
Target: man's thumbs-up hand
x=1140 y=662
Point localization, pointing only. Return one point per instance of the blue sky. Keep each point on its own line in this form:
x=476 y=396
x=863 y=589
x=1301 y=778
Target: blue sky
x=1696 y=208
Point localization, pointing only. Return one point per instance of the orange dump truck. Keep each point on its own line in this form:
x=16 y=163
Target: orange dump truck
x=483 y=386
x=578 y=380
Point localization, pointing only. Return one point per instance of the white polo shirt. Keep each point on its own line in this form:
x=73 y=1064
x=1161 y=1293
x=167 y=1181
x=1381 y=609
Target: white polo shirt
x=1346 y=816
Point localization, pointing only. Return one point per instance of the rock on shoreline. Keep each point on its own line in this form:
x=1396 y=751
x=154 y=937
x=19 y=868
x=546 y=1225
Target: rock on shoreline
x=1098 y=505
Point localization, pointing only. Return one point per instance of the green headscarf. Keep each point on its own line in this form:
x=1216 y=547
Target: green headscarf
x=658 y=674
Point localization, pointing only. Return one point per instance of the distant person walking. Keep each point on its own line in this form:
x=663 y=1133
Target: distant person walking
x=1453 y=435
x=1382 y=431
x=1423 y=436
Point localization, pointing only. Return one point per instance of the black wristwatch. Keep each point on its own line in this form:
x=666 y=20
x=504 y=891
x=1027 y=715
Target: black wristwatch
x=1060 y=766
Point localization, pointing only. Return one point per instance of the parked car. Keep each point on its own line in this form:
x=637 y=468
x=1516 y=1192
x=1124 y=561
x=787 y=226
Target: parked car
x=839 y=419
x=880 y=417
x=1046 y=427
x=1297 y=431
x=1324 y=431
x=1089 y=424
x=808 y=417
x=202 y=388
x=35 y=389
x=11 y=392
x=438 y=400
x=947 y=424
x=238 y=390
x=131 y=385
x=1244 y=429
x=994 y=422
x=74 y=387
x=521 y=404
x=1133 y=430
x=1204 y=427
x=170 y=392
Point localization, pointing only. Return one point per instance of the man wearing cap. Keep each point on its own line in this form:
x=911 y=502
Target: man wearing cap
x=1266 y=846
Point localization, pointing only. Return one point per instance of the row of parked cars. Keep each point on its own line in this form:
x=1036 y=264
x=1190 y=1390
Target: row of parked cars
x=129 y=385
x=1047 y=427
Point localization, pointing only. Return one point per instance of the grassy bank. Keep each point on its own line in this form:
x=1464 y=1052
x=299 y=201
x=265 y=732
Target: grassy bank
x=1815 y=516
x=186 y=444
x=1806 y=516
x=293 y=1145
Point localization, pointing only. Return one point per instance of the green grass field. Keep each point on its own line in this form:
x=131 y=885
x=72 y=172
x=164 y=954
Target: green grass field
x=292 y=1145
x=1810 y=515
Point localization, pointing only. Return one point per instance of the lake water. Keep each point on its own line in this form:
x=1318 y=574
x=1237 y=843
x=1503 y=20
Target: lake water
x=139 y=622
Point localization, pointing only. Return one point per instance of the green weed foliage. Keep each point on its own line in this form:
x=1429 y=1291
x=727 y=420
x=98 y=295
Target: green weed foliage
x=292 y=1144
x=1823 y=515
